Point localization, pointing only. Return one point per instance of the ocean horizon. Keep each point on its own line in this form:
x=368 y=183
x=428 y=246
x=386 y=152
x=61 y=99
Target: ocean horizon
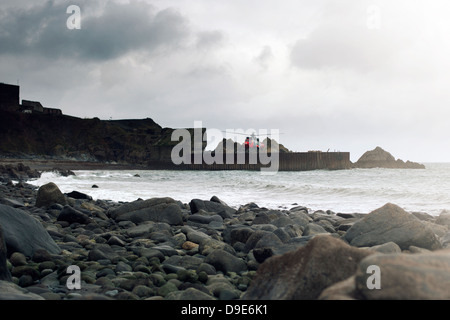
x=346 y=191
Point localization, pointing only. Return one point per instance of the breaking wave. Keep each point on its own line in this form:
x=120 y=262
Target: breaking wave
x=356 y=190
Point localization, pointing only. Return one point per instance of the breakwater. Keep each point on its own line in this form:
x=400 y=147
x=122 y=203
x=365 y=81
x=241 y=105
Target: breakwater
x=292 y=161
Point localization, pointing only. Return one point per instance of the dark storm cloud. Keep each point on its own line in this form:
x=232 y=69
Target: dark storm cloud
x=116 y=30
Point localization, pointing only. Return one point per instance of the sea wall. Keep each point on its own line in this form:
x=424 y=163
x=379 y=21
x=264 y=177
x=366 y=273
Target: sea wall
x=293 y=161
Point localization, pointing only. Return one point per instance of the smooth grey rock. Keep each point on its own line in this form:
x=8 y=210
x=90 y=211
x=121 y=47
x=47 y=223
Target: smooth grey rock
x=392 y=223
x=11 y=291
x=156 y=209
x=72 y=215
x=23 y=233
x=221 y=209
x=304 y=273
x=420 y=276
x=225 y=261
x=4 y=271
x=49 y=194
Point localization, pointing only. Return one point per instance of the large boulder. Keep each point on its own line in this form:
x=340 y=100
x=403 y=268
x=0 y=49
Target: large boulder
x=11 y=291
x=72 y=215
x=303 y=274
x=4 y=272
x=343 y=290
x=23 y=233
x=49 y=194
x=156 y=209
x=225 y=261
x=444 y=219
x=392 y=223
x=19 y=172
x=102 y=251
x=421 y=276
x=220 y=208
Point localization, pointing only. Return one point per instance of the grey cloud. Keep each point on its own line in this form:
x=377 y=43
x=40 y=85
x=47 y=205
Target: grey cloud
x=345 y=39
x=208 y=39
x=118 y=30
x=264 y=57
x=343 y=46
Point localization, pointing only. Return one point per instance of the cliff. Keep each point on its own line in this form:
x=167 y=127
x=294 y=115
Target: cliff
x=65 y=137
x=379 y=158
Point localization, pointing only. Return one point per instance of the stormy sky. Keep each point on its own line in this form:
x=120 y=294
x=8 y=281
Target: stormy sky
x=344 y=75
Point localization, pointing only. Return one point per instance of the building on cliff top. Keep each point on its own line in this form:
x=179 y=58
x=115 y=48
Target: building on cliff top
x=10 y=97
x=32 y=107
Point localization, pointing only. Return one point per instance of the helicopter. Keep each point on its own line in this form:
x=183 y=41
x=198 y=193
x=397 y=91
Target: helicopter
x=252 y=142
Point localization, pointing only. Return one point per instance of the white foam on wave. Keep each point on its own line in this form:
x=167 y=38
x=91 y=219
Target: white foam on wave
x=359 y=190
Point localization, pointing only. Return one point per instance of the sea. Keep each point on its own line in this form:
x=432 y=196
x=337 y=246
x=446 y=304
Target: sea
x=341 y=191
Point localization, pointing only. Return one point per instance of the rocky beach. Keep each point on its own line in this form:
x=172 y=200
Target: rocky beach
x=163 y=249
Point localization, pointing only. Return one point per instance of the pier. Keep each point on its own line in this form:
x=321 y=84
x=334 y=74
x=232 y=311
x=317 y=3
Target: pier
x=292 y=161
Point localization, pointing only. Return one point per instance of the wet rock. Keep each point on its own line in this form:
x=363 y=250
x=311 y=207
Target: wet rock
x=225 y=261
x=24 y=233
x=313 y=229
x=102 y=252
x=209 y=245
x=221 y=209
x=194 y=235
x=421 y=276
x=4 y=271
x=78 y=195
x=156 y=209
x=268 y=240
x=72 y=215
x=388 y=247
x=343 y=290
x=306 y=272
x=11 y=291
x=18 y=259
x=443 y=219
x=26 y=270
x=187 y=262
x=189 y=245
x=392 y=223
x=116 y=241
x=240 y=234
x=49 y=194
x=204 y=219
x=445 y=240
x=19 y=172
x=41 y=255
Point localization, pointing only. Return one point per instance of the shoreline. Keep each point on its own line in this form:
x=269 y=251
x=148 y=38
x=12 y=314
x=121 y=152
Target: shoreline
x=49 y=164
x=26 y=169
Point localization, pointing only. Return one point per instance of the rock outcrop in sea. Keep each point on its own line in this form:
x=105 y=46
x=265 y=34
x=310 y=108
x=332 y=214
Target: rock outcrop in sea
x=379 y=158
x=163 y=249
